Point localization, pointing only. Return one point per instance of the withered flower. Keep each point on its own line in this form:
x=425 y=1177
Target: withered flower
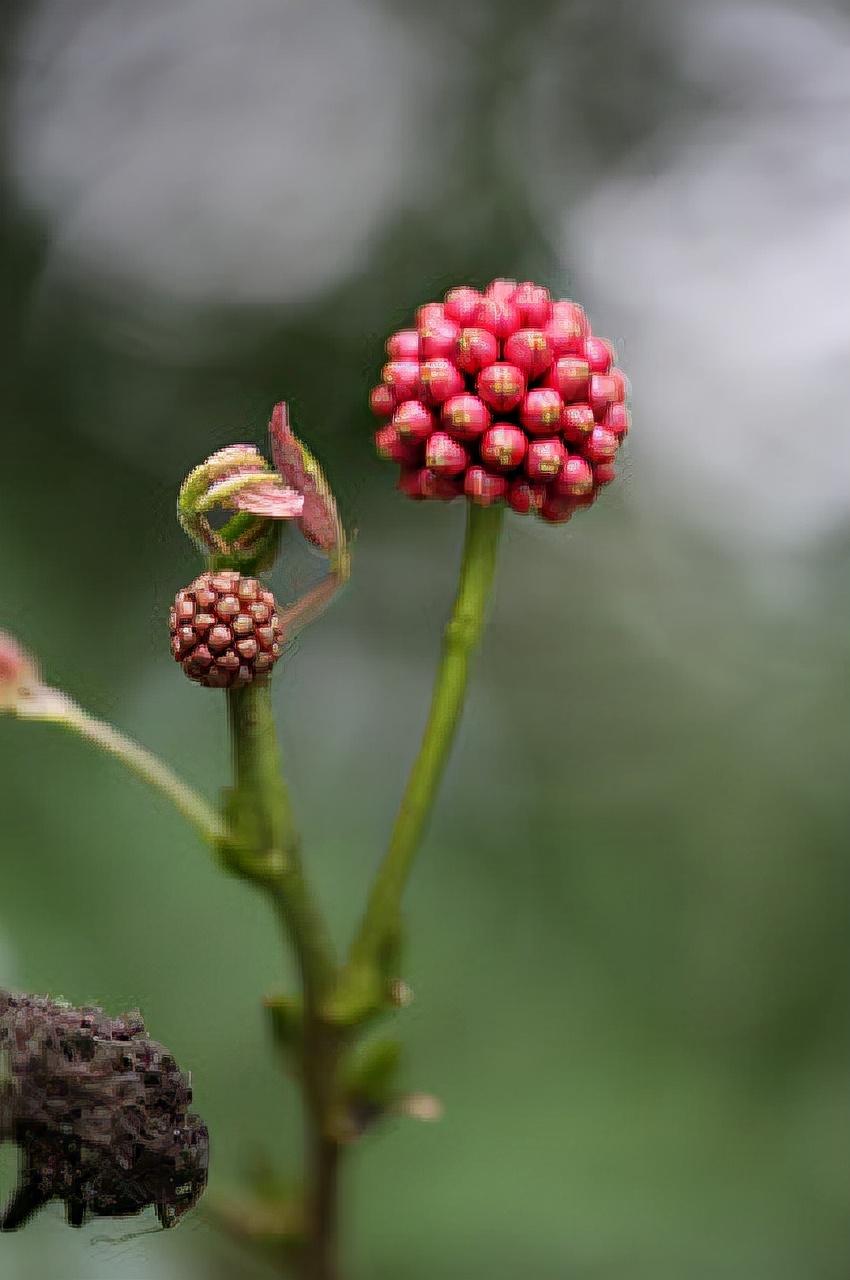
x=100 y=1112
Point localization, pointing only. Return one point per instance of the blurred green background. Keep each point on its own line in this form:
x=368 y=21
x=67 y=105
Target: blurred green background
x=627 y=931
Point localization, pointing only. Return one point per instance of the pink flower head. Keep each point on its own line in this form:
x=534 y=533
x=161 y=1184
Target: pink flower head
x=503 y=395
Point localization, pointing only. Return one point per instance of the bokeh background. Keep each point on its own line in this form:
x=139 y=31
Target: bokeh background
x=628 y=931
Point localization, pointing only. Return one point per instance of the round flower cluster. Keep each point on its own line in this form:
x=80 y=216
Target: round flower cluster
x=504 y=396
x=225 y=629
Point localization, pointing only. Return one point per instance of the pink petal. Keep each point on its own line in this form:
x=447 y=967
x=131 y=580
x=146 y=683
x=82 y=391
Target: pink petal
x=319 y=521
x=272 y=500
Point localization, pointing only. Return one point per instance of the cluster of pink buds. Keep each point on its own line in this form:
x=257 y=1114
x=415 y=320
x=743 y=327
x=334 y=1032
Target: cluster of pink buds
x=502 y=396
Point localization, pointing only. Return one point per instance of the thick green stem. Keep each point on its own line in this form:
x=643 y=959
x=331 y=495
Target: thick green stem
x=463 y=631
x=54 y=706
x=265 y=827
x=268 y=853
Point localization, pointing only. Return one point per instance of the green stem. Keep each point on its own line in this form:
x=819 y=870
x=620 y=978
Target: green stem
x=55 y=707
x=381 y=920
x=265 y=827
x=268 y=853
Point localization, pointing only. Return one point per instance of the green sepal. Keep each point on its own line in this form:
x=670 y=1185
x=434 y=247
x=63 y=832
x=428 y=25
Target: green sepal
x=370 y=1073
x=286 y=1019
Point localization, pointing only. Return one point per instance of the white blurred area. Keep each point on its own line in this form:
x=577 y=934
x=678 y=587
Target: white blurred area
x=205 y=151
x=720 y=255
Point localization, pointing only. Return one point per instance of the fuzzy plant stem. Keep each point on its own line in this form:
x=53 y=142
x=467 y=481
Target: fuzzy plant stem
x=268 y=853
x=55 y=707
x=381 y=921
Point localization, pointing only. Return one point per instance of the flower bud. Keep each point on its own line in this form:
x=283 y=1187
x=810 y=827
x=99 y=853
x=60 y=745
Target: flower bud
x=403 y=345
x=577 y=422
x=601 y=445
x=438 y=337
x=475 y=349
x=544 y=459
x=402 y=376
x=617 y=419
x=439 y=379
x=498 y=315
x=444 y=456
x=604 y=473
x=532 y=363
x=389 y=444
x=533 y=303
x=413 y=421
x=465 y=416
x=530 y=351
x=540 y=411
x=382 y=400
x=566 y=329
x=569 y=376
x=574 y=479
x=503 y=446
x=598 y=353
x=557 y=510
x=484 y=487
x=501 y=386
x=524 y=496
x=461 y=305
x=605 y=389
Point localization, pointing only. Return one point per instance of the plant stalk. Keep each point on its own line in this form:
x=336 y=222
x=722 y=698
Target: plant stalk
x=381 y=920
x=55 y=707
x=264 y=823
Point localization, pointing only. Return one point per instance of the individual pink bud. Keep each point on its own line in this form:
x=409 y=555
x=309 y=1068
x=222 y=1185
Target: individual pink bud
x=530 y=351
x=438 y=337
x=533 y=303
x=484 y=487
x=412 y=482
x=465 y=416
x=566 y=309
x=601 y=445
x=617 y=419
x=524 y=496
x=402 y=376
x=557 y=510
x=461 y=305
x=566 y=329
x=403 y=345
x=501 y=386
x=429 y=313
x=569 y=376
x=604 y=473
x=501 y=290
x=605 y=389
x=444 y=456
x=443 y=488
x=544 y=459
x=540 y=411
x=439 y=379
x=382 y=401
x=389 y=444
x=475 y=349
x=577 y=422
x=503 y=446
x=598 y=353
x=498 y=315
x=413 y=421
x=420 y=483
x=574 y=479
